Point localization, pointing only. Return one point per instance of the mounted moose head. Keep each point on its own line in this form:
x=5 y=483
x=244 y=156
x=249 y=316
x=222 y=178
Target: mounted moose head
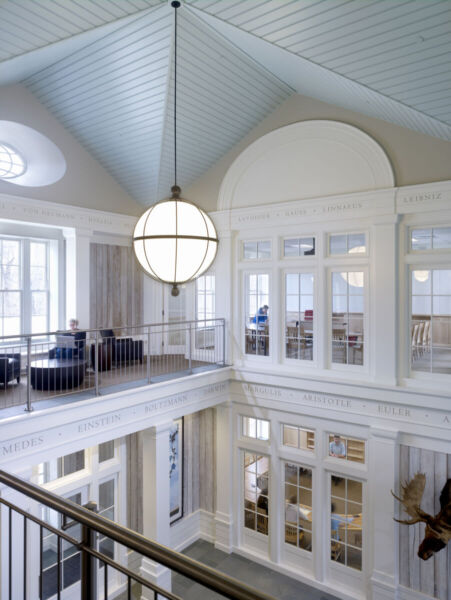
x=438 y=528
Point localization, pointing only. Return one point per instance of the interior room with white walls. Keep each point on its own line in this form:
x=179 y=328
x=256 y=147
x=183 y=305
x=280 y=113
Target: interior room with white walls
x=305 y=375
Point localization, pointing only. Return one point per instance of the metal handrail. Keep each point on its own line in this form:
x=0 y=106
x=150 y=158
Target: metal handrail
x=99 y=329
x=206 y=576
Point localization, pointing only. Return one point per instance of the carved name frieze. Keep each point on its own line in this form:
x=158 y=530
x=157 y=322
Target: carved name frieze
x=373 y=408
x=48 y=214
x=99 y=423
x=425 y=197
x=317 y=211
x=10 y=449
x=142 y=413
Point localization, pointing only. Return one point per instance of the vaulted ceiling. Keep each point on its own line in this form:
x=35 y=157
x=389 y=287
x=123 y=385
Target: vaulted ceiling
x=104 y=69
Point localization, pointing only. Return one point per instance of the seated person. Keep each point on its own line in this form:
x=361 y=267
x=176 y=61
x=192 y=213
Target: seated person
x=79 y=347
x=337 y=521
x=337 y=448
x=262 y=314
x=292 y=510
x=262 y=500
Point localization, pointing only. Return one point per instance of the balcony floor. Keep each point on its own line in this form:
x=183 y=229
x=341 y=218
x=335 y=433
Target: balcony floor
x=13 y=398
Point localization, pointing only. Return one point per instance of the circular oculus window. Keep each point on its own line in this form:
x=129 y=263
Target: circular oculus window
x=12 y=164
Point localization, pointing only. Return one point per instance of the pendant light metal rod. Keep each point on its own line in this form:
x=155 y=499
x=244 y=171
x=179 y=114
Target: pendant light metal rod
x=175 y=4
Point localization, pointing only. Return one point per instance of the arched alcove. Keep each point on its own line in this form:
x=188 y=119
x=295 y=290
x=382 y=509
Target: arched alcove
x=309 y=159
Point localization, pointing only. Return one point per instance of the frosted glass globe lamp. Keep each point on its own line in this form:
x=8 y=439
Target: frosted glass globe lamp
x=175 y=241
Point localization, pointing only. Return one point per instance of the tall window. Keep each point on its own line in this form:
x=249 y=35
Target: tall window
x=257 y=314
x=11 y=286
x=106 y=509
x=347 y=317
x=346 y=521
x=70 y=566
x=39 y=286
x=256 y=497
x=205 y=297
x=299 y=315
x=205 y=309
x=430 y=332
x=298 y=506
x=24 y=280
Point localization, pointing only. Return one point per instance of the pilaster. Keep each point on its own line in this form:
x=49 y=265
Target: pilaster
x=383 y=306
x=224 y=478
x=77 y=275
x=156 y=524
x=383 y=530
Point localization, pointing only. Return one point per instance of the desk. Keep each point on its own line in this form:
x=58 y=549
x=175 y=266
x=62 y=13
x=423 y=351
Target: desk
x=257 y=337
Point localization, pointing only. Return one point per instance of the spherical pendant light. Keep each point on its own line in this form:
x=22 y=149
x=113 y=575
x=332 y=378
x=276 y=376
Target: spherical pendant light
x=175 y=241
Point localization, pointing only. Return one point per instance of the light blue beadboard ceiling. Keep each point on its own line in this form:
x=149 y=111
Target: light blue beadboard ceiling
x=104 y=69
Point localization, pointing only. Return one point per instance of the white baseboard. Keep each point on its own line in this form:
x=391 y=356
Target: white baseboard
x=197 y=525
x=405 y=593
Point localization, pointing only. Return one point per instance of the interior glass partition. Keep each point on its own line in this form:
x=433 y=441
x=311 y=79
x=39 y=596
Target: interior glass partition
x=299 y=321
x=430 y=324
x=257 y=314
x=347 y=326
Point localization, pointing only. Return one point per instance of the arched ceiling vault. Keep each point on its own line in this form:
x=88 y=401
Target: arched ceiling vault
x=104 y=69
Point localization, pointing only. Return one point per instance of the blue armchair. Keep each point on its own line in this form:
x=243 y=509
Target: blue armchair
x=77 y=352
x=9 y=368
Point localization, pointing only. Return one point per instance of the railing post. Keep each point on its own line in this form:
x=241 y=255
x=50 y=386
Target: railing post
x=88 y=570
x=190 y=357
x=96 y=363
x=148 y=356
x=223 y=343
x=29 y=408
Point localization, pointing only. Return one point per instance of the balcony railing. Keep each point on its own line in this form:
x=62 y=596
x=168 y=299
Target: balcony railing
x=25 y=556
x=91 y=362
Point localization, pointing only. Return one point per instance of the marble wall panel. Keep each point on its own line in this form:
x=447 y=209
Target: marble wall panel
x=116 y=286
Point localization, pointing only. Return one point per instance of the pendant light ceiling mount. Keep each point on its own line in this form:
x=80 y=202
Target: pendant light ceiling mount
x=175 y=241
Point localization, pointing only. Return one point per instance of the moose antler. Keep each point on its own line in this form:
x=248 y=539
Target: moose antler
x=412 y=493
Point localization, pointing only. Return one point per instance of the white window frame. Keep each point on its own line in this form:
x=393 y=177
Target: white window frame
x=427 y=266
x=366 y=319
x=256 y=241
x=298 y=236
x=427 y=251
x=300 y=361
x=244 y=303
x=258 y=422
x=348 y=255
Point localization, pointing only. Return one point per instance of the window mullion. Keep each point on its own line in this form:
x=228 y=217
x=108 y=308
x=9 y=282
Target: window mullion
x=26 y=288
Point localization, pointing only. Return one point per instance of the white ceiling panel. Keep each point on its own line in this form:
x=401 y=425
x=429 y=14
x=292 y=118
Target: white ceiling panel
x=384 y=45
x=104 y=69
x=111 y=96
x=27 y=26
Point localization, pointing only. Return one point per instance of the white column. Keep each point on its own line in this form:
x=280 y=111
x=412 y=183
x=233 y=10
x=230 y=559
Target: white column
x=156 y=501
x=384 y=294
x=224 y=478
x=224 y=286
x=382 y=534
x=78 y=275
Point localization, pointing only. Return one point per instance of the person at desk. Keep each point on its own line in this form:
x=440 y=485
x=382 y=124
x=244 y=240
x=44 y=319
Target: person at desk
x=337 y=448
x=293 y=509
x=262 y=314
x=337 y=520
x=79 y=345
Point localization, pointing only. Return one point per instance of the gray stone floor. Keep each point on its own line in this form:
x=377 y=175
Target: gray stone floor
x=263 y=579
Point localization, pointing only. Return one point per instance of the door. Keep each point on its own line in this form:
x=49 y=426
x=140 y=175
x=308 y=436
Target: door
x=70 y=567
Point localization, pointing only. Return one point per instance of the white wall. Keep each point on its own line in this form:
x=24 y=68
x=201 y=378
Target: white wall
x=416 y=158
x=85 y=183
